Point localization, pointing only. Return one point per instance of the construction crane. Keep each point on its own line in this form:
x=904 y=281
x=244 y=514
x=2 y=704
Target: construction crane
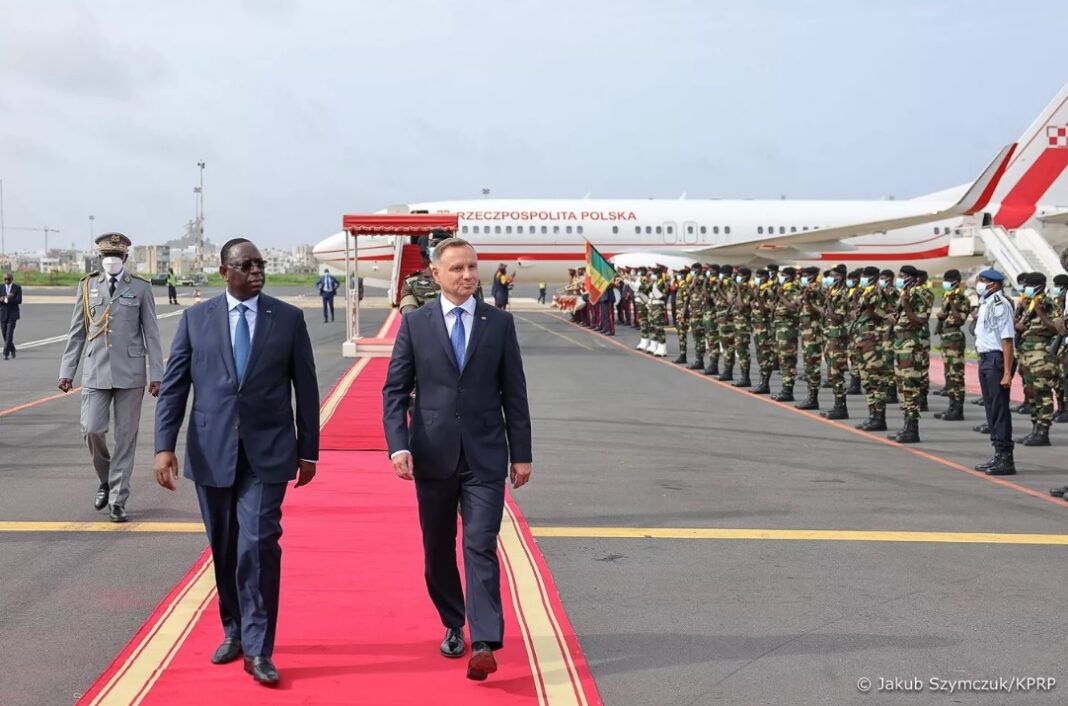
x=46 y=230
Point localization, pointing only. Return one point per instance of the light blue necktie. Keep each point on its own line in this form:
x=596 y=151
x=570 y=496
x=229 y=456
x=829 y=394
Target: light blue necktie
x=459 y=345
x=242 y=343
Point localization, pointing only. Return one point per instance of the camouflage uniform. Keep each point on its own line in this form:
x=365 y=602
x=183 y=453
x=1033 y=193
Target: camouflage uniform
x=953 y=341
x=1058 y=387
x=872 y=308
x=418 y=289
x=743 y=329
x=786 y=320
x=886 y=341
x=683 y=315
x=909 y=340
x=760 y=320
x=698 y=293
x=811 y=331
x=724 y=303
x=1038 y=366
x=836 y=341
x=924 y=350
x=645 y=286
x=657 y=309
x=854 y=352
x=711 y=325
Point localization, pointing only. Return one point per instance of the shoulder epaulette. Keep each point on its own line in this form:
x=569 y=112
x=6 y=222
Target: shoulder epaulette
x=140 y=278
x=90 y=276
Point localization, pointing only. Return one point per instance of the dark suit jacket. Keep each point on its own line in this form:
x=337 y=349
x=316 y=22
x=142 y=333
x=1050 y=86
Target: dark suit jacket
x=484 y=408
x=9 y=311
x=259 y=412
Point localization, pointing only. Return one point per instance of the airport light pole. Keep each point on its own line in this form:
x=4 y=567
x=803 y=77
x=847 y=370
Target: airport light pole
x=199 y=252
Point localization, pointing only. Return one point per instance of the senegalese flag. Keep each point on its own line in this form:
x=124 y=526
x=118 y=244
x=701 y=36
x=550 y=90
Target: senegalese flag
x=599 y=273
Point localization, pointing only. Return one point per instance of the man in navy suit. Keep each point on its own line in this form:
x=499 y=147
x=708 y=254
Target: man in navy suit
x=469 y=420
x=245 y=355
x=10 y=303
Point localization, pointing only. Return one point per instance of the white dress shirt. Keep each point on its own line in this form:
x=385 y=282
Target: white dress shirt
x=250 y=315
x=994 y=323
x=468 y=313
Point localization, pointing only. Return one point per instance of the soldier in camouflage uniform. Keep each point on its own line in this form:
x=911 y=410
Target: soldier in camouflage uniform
x=892 y=295
x=853 y=286
x=760 y=309
x=658 y=294
x=925 y=341
x=1058 y=291
x=956 y=308
x=836 y=314
x=811 y=333
x=420 y=288
x=724 y=302
x=743 y=304
x=1036 y=331
x=641 y=302
x=711 y=324
x=911 y=326
x=787 y=310
x=683 y=312
x=698 y=301
x=872 y=311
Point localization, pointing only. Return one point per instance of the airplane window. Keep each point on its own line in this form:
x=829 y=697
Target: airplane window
x=760 y=230
x=804 y=227
x=544 y=230
x=569 y=229
x=556 y=229
x=782 y=229
x=727 y=230
x=648 y=230
x=715 y=230
x=497 y=229
x=703 y=230
x=464 y=229
x=508 y=229
x=793 y=229
x=615 y=230
x=638 y=230
x=689 y=230
x=658 y=230
x=474 y=229
x=580 y=230
x=670 y=229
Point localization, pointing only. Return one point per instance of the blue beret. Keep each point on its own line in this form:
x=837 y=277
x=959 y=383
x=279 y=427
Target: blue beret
x=992 y=275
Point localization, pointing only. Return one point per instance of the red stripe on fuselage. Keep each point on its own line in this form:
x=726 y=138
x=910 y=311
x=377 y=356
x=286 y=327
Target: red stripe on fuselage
x=581 y=257
x=1021 y=202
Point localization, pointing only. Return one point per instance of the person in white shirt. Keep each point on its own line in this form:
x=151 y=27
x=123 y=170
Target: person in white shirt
x=995 y=334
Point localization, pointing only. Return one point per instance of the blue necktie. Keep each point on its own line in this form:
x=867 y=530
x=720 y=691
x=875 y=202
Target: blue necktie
x=458 y=335
x=242 y=343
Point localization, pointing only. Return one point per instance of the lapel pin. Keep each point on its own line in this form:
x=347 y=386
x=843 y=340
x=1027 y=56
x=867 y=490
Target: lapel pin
x=483 y=318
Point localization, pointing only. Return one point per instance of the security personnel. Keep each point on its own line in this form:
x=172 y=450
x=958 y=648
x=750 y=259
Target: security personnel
x=762 y=303
x=811 y=332
x=853 y=287
x=994 y=338
x=886 y=331
x=723 y=298
x=872 y=318
x=956 y=308
x=114 y=325
x=1059 y=292
x=711 y=323
x=420 y=288
x=910 y=324
x=924 y=286
x=786 y=313
x=836 y=311
x=1038 y=364
x=698 y=290
x=683 y=311
x=743 y=324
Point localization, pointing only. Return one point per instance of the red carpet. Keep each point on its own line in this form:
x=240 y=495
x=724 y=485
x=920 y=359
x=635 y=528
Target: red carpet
x=356 y=625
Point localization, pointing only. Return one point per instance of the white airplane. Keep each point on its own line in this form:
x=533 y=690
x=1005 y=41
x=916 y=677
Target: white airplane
x=1024 y=187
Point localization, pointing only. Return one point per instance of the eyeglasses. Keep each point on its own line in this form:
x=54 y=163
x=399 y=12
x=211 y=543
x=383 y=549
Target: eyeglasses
x=247 y=265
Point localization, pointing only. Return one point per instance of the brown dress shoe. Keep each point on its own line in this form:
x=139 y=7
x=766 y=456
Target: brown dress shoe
x=482 y=663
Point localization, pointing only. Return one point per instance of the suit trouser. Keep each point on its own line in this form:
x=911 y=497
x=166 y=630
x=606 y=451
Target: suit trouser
x=114 y=469
x=244 y=524
x=7 y=328
x=996 y=399
x=481 y=505
x=328 y=304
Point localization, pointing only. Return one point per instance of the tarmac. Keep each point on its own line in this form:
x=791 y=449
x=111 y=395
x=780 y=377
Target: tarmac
x=710 y=546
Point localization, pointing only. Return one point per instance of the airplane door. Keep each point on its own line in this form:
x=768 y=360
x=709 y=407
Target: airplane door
x=671 y=235
x=689 y=232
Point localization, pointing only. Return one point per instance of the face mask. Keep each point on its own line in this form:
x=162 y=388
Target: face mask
x=980 y=288
x=1029 y=291
x=865 y=281
x=111 y=264
x=947 y=286
x=851 y=283
x=826 y=281
x=738 y=279
x=759 y=280
x=721 y=275
x=782 y=279
x=1057 y=291
x=883 y=284
x=806 y=281
x=899 y=282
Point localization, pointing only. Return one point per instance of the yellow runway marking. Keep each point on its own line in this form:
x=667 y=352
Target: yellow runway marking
x=804 y=535
x=178 y=527
x=555 y=333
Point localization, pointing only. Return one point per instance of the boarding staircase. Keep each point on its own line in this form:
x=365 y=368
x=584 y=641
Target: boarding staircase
x=1011 y=251
x=406 y=261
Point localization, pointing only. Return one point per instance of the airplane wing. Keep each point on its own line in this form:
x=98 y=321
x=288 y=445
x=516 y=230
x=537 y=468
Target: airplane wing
x=898 y=214
x=1060 y=217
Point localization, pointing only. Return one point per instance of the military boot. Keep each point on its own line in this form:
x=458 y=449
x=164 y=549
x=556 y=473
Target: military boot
x=728 y=373
x=1025 y=439
x=1003 y=465
x=1025 y=408
x=1040 y=437
x=979 y=401
x=880 y=420
x=854 y=385
x=786 y=394
x=866 y=424
x=891 y=395
x=955 y=413
x=839 y=411
x=923 y=403
x=983 y=428
x=909 y=434
x=713 y=367
x=764 y=388
x=744 y=381
x=681 y=360
x=812 y=401
x=827 y=383
x=1061 y=417
x=940 y=392
x=697 y=364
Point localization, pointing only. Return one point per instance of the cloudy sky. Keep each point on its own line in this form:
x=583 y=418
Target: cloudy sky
x=306 y=110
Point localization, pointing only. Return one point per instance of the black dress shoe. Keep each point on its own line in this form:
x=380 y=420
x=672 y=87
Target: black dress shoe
x=117 y=514
x=228 y=651
x=101 y=500
x=1057 y=492
x=262 y=670
x=482 y=663
x=453 y=644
